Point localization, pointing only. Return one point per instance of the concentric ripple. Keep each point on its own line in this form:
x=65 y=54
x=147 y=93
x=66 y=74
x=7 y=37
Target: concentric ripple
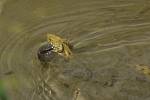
x=108 y=37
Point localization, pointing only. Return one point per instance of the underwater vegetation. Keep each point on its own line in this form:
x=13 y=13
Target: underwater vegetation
x=3 y=95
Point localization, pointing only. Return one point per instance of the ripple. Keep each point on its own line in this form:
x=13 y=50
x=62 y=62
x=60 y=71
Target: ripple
x=99 y=30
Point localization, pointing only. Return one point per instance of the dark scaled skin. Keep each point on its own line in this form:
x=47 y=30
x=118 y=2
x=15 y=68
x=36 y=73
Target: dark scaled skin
x=45 y=52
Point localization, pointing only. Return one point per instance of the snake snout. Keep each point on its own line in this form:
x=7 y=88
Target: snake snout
x=45 y=52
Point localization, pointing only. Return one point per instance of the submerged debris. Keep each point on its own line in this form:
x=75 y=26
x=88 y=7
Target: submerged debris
x=76 y=94
x=143 y=68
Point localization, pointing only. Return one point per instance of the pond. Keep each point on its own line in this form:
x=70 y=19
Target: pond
x=111 y=55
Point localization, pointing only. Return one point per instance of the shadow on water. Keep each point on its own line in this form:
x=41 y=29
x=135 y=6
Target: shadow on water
x=111 y=39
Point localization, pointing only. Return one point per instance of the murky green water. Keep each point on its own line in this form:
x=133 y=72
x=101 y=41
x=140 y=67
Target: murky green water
x=110 y=37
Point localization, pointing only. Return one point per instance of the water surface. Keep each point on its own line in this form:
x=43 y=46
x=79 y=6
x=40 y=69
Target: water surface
x=110 y=38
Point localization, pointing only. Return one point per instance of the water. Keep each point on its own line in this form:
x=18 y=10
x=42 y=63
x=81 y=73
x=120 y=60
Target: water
x=110 y=38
